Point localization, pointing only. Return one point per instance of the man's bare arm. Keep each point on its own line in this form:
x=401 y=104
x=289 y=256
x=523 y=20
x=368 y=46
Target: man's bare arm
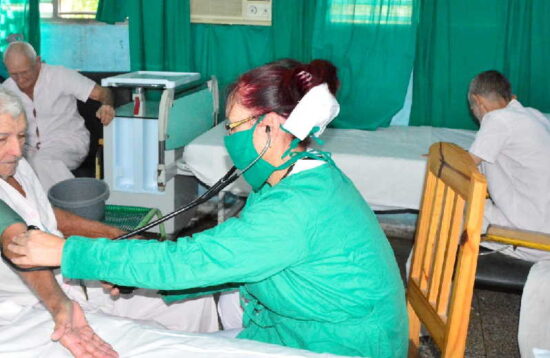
x=71 y=327
x=42 y=283
x=104 y=95
x=71 y=224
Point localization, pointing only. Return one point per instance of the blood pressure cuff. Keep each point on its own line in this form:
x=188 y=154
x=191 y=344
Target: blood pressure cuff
x=8 y=217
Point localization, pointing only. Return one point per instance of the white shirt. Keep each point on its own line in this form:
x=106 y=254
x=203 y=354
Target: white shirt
x=53 y=112
x=514 y=144
x=34 y=209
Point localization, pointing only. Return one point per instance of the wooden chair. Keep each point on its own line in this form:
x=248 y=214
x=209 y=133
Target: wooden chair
x=442 y=274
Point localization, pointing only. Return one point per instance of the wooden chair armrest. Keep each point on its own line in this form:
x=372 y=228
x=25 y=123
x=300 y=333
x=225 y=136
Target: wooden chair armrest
x=516 y=237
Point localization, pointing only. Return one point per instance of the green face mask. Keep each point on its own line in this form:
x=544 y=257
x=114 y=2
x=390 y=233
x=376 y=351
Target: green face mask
x=241 y=149
x=240 y=146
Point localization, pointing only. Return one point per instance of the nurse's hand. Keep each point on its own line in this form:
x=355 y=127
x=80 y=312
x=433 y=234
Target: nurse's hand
x=105 y=113
x=37 y=248
x=112 y=289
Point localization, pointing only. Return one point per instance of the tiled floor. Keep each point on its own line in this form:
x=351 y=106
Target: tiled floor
x=493 y=320
x=493 y=324
x=495 y=315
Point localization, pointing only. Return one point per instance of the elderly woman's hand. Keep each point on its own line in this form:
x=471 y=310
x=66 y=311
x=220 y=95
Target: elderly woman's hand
x=37 y=248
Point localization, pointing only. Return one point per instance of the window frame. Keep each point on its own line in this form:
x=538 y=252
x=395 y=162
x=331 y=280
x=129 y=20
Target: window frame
x=351 y=16
x=56 y=18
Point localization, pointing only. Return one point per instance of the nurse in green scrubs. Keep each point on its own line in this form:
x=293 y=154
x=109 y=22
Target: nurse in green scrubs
x=314 y=269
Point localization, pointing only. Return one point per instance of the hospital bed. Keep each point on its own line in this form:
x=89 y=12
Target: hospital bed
x=25 y=332
x=387 y=165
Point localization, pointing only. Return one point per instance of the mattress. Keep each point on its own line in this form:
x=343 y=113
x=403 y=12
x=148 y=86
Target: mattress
x=25 y=332
x=387 y=165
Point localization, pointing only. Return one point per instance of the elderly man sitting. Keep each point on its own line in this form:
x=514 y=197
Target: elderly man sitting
x=21 y=191
x=57 y=140
x=513 y=149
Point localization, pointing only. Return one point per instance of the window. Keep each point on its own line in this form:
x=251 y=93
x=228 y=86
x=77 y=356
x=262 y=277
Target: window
x=381 y=12
x=68 y=9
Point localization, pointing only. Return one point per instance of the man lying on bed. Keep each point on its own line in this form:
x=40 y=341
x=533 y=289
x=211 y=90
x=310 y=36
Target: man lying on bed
x=513 y=148
x=22 y=192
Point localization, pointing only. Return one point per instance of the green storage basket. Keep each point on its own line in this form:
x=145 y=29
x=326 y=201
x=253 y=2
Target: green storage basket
x=129 y=218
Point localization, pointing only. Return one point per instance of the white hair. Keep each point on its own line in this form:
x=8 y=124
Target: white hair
x=10 y=104
x=20 y=47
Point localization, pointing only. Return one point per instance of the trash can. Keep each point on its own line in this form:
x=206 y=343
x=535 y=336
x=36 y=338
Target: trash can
x=81 y=196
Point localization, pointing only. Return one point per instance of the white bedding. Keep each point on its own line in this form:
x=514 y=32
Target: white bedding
x=387 y=165
x=25 y=332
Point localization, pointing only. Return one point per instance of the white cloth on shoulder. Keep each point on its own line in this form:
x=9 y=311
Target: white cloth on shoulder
x=317 y=108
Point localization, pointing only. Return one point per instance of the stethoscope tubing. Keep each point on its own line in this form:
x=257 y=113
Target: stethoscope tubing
x=221 y=184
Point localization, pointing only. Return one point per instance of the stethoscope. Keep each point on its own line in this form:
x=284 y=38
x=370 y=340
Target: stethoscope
x=227 y=179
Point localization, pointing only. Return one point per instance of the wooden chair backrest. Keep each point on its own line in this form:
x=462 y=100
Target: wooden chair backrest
x=442 y=273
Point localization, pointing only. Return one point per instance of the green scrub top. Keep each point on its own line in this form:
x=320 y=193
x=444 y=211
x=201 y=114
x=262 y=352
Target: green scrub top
x=315 y=269
x=8 y=217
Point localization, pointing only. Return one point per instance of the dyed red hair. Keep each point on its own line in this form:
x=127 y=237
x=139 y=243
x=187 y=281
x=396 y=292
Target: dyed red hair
x=278 y=86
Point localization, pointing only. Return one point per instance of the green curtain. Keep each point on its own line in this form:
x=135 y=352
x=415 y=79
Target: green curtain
x=292 y=29
x=111 y=11
x=159 y=35
x=372 y=43
x=162 y=38
x=159 y=32
x=458 y=39
x=19 y=20
x=226 y=51
x=527 y=51
x=360 y=44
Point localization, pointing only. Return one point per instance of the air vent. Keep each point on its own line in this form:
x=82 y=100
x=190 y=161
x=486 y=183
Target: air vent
x=232 y=12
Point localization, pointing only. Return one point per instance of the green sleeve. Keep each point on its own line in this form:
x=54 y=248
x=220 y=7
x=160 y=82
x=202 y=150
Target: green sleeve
x=179 y=295
x=269 y=236
x=8 y=217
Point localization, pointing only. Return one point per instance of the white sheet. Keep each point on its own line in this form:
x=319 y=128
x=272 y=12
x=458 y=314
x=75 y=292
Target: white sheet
x=387 y=165
x=25 y=332
x=534 y=314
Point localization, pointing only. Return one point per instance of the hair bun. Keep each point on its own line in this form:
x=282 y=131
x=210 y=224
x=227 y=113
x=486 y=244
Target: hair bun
x=317 y=72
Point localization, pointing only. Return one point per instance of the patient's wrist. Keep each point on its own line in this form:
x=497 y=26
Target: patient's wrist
x=57 y=303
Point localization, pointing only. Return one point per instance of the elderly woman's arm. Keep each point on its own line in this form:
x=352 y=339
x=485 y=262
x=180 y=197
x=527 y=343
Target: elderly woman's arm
x=266 y=239
x=71 y=328
x=70 y=224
